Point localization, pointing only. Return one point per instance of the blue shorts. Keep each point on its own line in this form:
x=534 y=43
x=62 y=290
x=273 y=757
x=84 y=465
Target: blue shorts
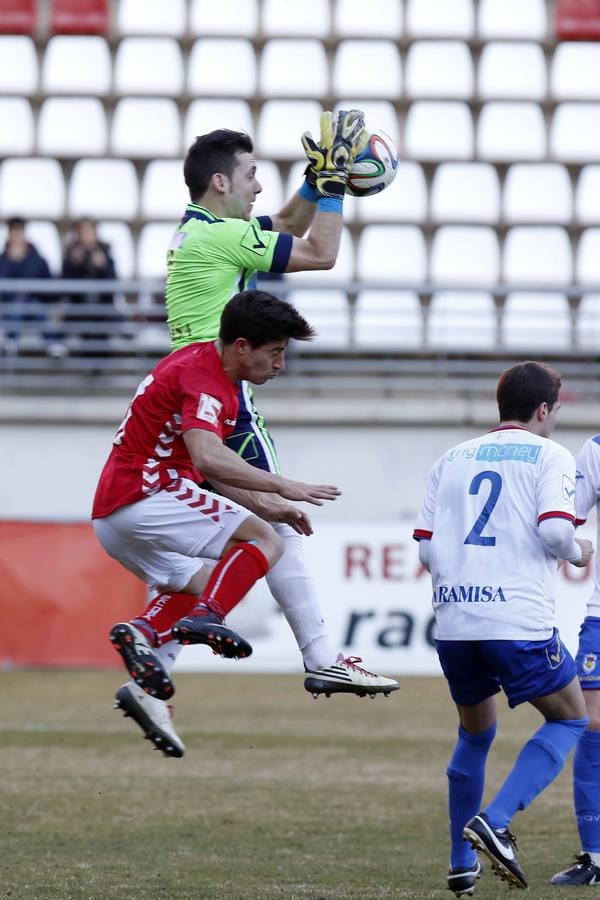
x=250 y=438
x=588 y=654
x=524 y=670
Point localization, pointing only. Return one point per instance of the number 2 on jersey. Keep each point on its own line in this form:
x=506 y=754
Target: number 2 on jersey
x=475 y=536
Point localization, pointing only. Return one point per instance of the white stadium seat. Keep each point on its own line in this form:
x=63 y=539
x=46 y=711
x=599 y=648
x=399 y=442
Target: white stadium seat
x=501 y=68
x=391 y=253
x=378 y=18
x=510 y=131
x=222 y=67
x=367 y=68
x=575 y=71
x=538 y=192
x=118 y=236
x=575 y=132
x=327 y=311
x=18 y=65
x=465 y=192
x=152 y=17
x=32 y=188
x=77 y=64
x=388 y=319
x=149 y=65
x=146 y=127
x=103 y=188
x=536 y=320
x=462 y=320
x=587 y=196
x=523 y=19
x=153 y=243
x=587 y=323
x=232 y=17
x=72 y=127
x=293 y=68
x=436 y=130
x=19 y=138
x=439 y=69
x=343 y=270
x=280 y=17
x=587 y=258
x=271 y=199
x=404 y=200
x=164 y=193
x=537 y=255
x=380 y=115
x=280 y=124
x=440 y=18
x=462 y=255
x=205 y=115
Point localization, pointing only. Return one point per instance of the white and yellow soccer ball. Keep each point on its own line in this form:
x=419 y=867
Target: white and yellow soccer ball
x=374 y=168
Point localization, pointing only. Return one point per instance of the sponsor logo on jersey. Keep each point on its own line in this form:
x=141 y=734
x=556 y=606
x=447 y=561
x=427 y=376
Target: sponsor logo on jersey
x=589 y=662
x=209 y=409
x=528 y=453
x=568 y=487
x=253 y=240
x=472 y=593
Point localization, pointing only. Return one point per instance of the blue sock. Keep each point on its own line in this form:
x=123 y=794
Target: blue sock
x=537 y=765
x=586 y=790
x=466 y=779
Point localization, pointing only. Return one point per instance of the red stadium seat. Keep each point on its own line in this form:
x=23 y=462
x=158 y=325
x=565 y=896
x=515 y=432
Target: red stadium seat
x=79 y=17
x=578 y=20
x=17 y=16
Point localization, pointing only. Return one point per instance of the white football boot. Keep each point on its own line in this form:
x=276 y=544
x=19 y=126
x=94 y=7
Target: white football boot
x=153 y=716
x=345 y=676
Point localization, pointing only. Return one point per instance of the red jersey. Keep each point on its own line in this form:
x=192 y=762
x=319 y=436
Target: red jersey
x=188 y=389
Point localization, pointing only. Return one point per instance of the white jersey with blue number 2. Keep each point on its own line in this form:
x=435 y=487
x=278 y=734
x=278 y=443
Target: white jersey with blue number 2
x=492 y=577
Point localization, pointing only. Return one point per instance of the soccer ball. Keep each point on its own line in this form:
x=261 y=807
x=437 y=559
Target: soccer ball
x=374 y=168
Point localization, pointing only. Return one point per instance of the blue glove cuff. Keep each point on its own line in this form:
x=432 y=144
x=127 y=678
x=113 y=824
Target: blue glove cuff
x=307 y=192
x=330 y=204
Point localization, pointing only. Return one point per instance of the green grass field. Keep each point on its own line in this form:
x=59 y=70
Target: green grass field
x=278 y=796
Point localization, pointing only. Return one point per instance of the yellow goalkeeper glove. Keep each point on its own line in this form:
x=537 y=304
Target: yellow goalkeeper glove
x=343 y=136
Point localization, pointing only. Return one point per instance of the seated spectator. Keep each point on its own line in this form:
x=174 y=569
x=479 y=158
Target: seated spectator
x=86 y=257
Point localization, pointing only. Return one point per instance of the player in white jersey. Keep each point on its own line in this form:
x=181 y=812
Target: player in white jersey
x=497 y=515
x=586 y=762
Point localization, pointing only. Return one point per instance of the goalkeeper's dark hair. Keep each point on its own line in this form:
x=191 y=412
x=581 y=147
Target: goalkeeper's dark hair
x=523 y=387
x=261 y=318
x=211 y=153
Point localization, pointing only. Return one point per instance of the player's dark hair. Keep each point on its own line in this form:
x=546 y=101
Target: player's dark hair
x=211 y=153
x=16 y=222
x=261 y=318
x=523 y=387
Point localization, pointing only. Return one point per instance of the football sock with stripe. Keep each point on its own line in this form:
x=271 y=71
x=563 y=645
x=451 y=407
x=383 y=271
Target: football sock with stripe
x=466 y=779
x=231 y=579
x=161 y=614
x=586 y=790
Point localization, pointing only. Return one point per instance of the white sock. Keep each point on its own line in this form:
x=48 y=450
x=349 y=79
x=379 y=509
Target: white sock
x=168 y=654
x=595 y=857
x=294 y=591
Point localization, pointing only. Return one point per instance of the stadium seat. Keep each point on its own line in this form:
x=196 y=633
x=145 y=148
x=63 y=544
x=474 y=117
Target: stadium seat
x=404 y=200
x=103 y=188
x=164 y=192
x=17 y=16
x=380 y=115
x=146 y=127
x=367 y=68
x=79 y=17
x=378 y=18
x=205 y=115
x=18 y=65
x=537 y=255
x=328 y=313
x=439 y=69
x=440 y=18
x=462 y=320
x=587 y=258
x=153 y=243
x=210 y=71
x=279 y=17
x=72 y=127
x=32 y=188
x=77 y=64
x=280 y=124
x=386 y=318
x=293 y=68
x=387 y=253
x=501 y=68
x=342 y=272
x=465 y=192
x=587 y=323
x=20 y=136
x=271 y=198
x=511 y=131
x=151 y=17
x=536 y=320
x=575 y=71
x=508 y=19
x=44 y=236
x=438 y=131
x=587 y=196
x=227 y=17
x=149 y=65
x=118 y=236
x=535 y=192
x=575 y=132
x=462 y=254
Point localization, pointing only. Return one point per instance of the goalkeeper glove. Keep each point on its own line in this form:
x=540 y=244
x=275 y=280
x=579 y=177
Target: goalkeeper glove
x=343 y=136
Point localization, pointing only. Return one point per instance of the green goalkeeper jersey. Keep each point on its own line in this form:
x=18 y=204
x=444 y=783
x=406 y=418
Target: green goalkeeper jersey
x=209 y=261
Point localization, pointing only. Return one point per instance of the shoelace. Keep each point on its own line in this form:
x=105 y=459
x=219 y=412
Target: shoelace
x=511 y=838
x=351 y=662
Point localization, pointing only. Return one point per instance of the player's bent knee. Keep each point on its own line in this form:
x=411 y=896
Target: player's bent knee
x=255 y=530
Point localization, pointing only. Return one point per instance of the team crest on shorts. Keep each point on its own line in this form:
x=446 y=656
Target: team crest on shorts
x=589 y=662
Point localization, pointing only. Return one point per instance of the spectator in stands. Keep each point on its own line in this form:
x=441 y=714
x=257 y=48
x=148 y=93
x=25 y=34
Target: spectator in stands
x=86 y=257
